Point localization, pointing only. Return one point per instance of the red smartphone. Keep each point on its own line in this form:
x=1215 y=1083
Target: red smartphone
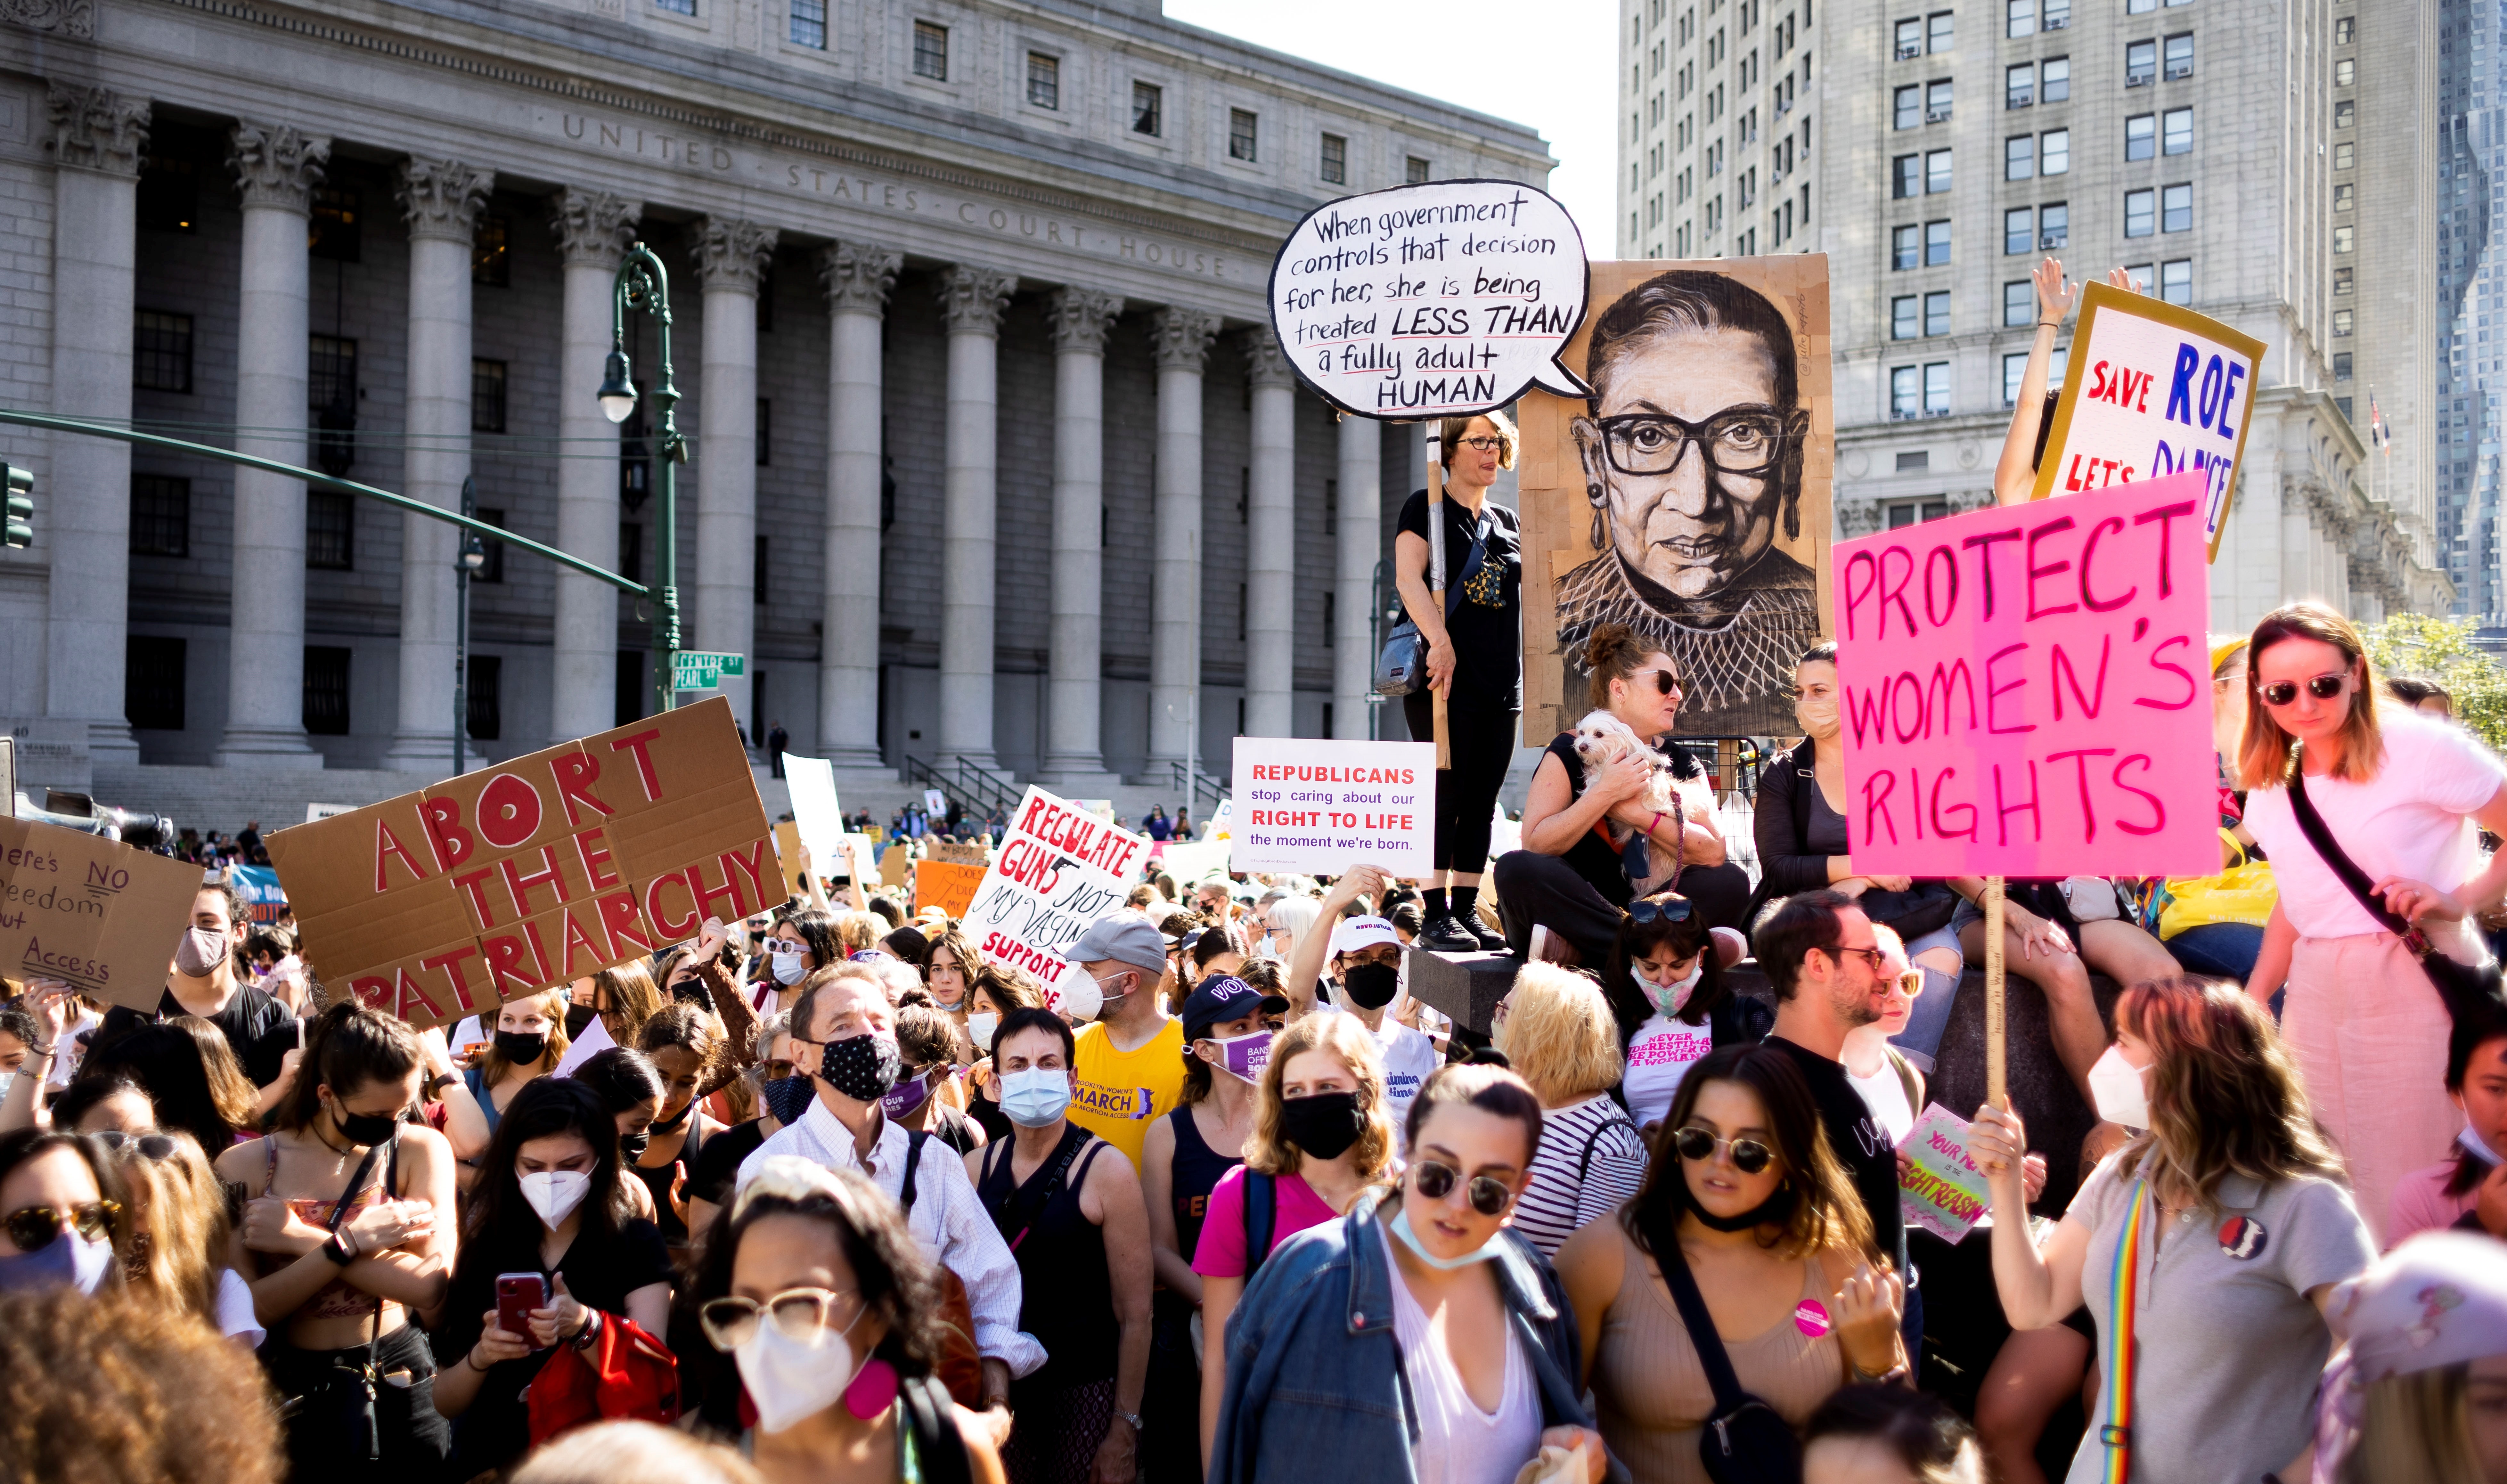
x=517 y=1295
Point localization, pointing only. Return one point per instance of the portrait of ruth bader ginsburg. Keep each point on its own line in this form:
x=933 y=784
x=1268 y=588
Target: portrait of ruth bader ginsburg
x=1691 y=452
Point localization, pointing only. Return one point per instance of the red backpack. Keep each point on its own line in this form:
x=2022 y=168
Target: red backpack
x=624 y=1375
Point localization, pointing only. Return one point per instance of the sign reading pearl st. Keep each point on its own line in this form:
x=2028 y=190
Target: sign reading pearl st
x=704 y=670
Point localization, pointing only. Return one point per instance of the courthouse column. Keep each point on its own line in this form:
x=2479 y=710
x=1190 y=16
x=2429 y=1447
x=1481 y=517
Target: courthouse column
x=1182 y=339
x=97 y=136
x=1073 y=750
x=973 y=298
x=858 y=277
x=439 y=200
x=593 y=230
x=731 y=259
x=1270 y=558
x=276 y=168
x=1361 y=522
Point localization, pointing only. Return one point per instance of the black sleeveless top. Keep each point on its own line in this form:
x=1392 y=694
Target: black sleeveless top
x=1197 y=1172
x=657 y=1181
x=1591 y=857
x=1067 y=1296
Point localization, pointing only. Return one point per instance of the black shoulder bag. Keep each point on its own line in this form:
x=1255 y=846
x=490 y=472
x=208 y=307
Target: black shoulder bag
x=1403 y=667
x=1261 y=1217
x=1746 y=1442
x=2465 y=989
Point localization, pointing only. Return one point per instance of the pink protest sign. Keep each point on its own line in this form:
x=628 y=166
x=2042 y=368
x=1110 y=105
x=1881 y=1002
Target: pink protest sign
x=2024 y=689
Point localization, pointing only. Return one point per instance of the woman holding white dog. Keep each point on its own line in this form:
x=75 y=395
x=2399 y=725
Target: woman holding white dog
x=1583 y=822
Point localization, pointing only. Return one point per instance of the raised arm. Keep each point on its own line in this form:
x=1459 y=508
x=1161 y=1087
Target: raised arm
x=2016 y=472
x=1306 y=958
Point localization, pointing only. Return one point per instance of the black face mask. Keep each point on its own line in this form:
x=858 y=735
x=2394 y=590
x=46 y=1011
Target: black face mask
x=576 y=1018
x=520 y=1049
x=673 y=1125
x=633 y=1145
x=1372 y=986
x=787 y=1097
x=862 y=1068
x=1775 y=1207
x=364 y=1128
x=1323 y=1125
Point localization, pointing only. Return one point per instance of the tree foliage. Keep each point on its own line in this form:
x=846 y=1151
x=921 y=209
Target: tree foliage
x=2442 y=650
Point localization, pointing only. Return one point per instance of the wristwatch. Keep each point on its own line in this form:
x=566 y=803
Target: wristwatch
x=339 y=1250
x=438 y=1080
x=1133 y=1418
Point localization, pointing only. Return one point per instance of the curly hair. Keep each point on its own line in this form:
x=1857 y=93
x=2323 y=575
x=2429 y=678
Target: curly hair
x=1560 y=1035
x=2225 y=1096
x=1267 y=1149
x=128 y=1390
x=1826 y=1213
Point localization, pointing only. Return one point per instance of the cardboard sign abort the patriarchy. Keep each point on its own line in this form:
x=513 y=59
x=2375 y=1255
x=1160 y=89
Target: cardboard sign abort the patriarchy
x=534 y=872
x=93 y=913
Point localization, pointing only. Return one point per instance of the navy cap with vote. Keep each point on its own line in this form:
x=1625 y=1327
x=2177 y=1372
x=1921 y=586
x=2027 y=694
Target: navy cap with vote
x=1222 y=997
x=1127 y=938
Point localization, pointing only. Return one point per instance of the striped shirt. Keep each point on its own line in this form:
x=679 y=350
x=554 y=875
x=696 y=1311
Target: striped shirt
x=1555 y=1201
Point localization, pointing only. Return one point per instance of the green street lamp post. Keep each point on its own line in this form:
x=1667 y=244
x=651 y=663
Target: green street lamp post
x=644 y=284
x=472 y=558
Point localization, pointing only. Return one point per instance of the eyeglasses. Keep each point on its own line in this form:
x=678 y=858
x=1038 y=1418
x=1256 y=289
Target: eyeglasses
x=1877 y=958
x=2321 y=687
x=1697 y=1146
x=33 y=1227
x=1664 y=908
x=1488 y=1195
x=1485 y=442
x=799 y=1314
x=785 y=946
x=776 y=1071
x=1740 y=439
x=148 y=1146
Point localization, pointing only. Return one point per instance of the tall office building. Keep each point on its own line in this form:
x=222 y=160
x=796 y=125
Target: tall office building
x=2467 y=168
x=1714 y=155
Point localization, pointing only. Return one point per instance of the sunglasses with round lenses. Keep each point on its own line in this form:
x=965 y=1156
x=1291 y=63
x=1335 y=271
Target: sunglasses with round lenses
x=148 y=1146
x=1740 y=439
x=1697 y=1146
x=799 y=1314
x=33 y=1227
x=1659 y=909
x=2321 y=687
x=1436 y=1181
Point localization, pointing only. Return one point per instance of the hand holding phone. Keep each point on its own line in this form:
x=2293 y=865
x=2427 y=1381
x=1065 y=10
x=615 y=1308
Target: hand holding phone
x=517 y=1295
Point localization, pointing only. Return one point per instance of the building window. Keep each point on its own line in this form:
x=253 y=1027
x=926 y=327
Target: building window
x=2342 y=323
x=1939 y=33
x=1043 y=80
x=2176 y=281
x=486 y=397
x=2176 y=136
x=2345 y=31
x=160 y=351
x=2344 y=114
x=2141 y=137
x=2176 y=209
x=2019 y=18
x=2180 y=57
x=629 y=690
x=152 y=683
x=1905 y=316
x=2344 y=156
x=1904 y=513
x=631 y=551
x=2342 y=280
x=676 y=7
x=2344 y=198
x=2055 y=152
x=2020 y=86
x=336 y=226
x=1241 y=137
x=2345 y=73
x=2140 y=63
x=2139 y=7
x=1906 y=107
x=1937 y=244
x=2341 y=366
x=1936 y=313
x=2055 y=365
x=170 y=195
x=331 y=393
x=2140 y=210
x=326 y=683
x=1905 y=249
x=760 y=568
x=2019 y=304
x=492 y=569
x=483 y=695
x=1905 y=176
x=2015 y=369
x=330 y=531
x=1337 y=161
x=807 y=25
x=1937 y=101
x=161 y=516
x=2053 y=226
x=1909 y=37
x=1414 y=170
x=1937 y=172
x=2342 y=244
x=1937 y=389
x=1915 y=461
x=2018 y=229
x=1147 y=105
x=931 y=51
x=2142 y=276
x=489 y=263
x=2055 y=73
x=1906 y=392
x=2019 y=157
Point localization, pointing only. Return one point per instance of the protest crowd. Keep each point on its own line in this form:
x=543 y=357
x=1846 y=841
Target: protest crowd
x=826 y=1192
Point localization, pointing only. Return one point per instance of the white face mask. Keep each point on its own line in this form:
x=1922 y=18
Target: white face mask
x=1670 y=996
x=1084 y=999
x=792 y=1379
x=555 y=1193
x=788 y=968
x=980 y=1027
x=2470 y=1139
x=2120 y=1090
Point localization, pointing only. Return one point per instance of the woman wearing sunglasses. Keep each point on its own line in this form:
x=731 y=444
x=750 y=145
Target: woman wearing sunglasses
x=65 y=1214
x=831 y=1314
x=1573 y=874
x=1416 y=1337
x=2400 y=795
x=1745 y=1197
x=1664 y=980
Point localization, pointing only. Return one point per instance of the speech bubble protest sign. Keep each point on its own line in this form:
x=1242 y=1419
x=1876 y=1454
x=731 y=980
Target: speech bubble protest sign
x=2151 y=389
x=1060 y=869
x=2024 y=689
x=1430 y=301
x=1942 y=1190
x=93 y=913
x=1323 y=807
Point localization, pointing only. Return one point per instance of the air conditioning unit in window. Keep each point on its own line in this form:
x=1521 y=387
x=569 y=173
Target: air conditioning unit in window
x=1937 y=411
x=2058 y=23
x=1902 y=414
x=2180 y=72
x=2022 y=97
x=2137 y=80
x=1940 y=114
x=1909 y=51
x=2051 y=241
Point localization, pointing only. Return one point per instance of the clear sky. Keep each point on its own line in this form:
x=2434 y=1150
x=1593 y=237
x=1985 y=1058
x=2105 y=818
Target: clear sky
x=1558 y=75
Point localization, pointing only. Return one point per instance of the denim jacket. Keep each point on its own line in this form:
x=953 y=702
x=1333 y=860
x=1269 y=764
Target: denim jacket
x=1314 y=1373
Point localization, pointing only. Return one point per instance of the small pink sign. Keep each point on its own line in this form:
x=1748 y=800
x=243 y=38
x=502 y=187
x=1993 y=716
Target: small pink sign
x=1810 y=1317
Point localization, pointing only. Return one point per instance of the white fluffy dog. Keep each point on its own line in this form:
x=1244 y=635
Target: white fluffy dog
x=1600 y=737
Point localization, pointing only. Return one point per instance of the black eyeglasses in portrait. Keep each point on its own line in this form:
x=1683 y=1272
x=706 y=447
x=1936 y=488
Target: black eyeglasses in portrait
x=1745 y=441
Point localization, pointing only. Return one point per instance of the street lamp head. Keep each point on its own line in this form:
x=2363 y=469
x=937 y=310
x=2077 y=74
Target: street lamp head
x=474 y=556
x=617 y=395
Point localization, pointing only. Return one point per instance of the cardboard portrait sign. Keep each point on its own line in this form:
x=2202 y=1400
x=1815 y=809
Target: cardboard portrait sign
x=1322 y=807
x=1060 y=869
x=1720 y=562
x=2151 y=389
x=93 y=913
x=532 y=872
x=2023 y=690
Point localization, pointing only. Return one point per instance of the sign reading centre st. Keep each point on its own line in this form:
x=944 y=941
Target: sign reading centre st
x=703 y=670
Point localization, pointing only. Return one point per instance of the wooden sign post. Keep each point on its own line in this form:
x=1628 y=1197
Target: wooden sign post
x=1436 y=573
x=1997 y=1054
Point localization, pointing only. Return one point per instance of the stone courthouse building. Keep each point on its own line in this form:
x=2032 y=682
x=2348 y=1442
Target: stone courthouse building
x=992 y=459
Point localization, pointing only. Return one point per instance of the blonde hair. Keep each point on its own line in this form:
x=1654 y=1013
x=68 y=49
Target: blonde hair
x=1450 y=432
x=2416 y=1429
x=2224 y=1096
x=552 y=1004
x=1267 y=1150
x=2263 y=758
x=1559 y=1034
x=179 y=1234
x=859 y=930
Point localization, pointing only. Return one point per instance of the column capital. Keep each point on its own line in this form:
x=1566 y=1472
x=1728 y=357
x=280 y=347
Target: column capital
x=1265 y=363
x=95 y=128
x=275 y=164
x=1182 y=336
x=442 y=198
x=973 y=297
x=733 y=254
x=593 y=228
x=857 y=276
x=1081 y=317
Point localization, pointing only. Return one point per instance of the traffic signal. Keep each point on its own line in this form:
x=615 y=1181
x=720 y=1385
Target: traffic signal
x=20 y=484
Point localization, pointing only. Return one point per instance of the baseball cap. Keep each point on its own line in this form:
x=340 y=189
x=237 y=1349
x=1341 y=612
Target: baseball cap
x=1350 y=934
x=1126 y=938
x=1224 y=998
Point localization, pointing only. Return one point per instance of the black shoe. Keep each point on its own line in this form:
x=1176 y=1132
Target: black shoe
x=1443 y=934
x=1490 y=941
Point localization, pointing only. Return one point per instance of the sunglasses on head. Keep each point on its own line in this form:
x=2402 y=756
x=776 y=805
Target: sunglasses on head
x=1488 y=1195
x=33 y=1227
x=1664 y=908
x=148 y=1146
x=2321 y=687
x=1698 y=1146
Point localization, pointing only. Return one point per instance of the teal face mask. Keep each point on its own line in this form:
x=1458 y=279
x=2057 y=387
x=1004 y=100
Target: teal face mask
x=1410 y=1239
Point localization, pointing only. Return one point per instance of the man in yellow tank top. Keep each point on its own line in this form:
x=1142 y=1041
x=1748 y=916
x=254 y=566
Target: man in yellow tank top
x=1131 y=1061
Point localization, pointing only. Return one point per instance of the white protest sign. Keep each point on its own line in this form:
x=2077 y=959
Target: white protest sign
x=1189 y=862
x=815 y=810
x=1942 y=1190
x=934 y=802
x=1318 y=807
x=2151 y=389
x=1060 y=870
x=1432 y=300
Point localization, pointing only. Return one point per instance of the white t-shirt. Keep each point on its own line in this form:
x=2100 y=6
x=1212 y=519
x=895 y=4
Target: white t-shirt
x=1458 y=1442
x=1659 y=1055
x=2409 y=821
x=1886 y=1097
x=1409 y=1059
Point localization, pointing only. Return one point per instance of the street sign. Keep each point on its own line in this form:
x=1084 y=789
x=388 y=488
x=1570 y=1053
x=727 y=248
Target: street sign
x=703 y=670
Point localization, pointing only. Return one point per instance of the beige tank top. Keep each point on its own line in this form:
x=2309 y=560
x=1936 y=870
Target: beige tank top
x=1649 y=1390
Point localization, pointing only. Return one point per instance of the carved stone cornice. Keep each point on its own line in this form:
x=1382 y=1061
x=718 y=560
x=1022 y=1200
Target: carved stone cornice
x=1182 y=336
x=275 y=164
x=75 y=18
x=594 y=228
x=95 y=128
x=442 y=198
x=973 y=298
x=858 y=276
x=731 y=254
x=1265 y=364
x=1080 y=318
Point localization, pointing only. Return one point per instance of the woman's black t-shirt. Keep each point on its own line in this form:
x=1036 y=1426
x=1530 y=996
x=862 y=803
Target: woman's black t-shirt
x=711 y=1175
x=1592 y=855
x=1483 y=609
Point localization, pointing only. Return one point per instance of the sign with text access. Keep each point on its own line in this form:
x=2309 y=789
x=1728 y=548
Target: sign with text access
x=97 y=915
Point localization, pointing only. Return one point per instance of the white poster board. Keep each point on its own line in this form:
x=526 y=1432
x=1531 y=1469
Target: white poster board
x=812 y=782
x=1060 y=869
x=1319 y=807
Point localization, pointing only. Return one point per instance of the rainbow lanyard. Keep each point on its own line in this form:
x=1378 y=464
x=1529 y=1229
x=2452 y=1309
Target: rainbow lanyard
x=2123 y=1290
